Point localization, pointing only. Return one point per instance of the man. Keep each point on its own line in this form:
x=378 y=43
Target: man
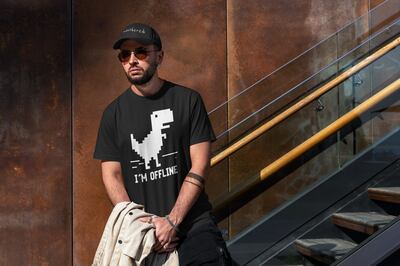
x=154 y=147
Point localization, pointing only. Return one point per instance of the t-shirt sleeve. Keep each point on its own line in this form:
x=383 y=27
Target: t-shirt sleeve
x=200 y=126
x=106 y=145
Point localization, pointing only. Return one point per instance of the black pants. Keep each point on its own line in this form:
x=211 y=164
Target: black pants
x=204 y=245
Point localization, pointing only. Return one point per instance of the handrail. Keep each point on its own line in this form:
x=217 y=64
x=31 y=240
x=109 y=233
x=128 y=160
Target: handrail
x=299 y=105
x=284 y=160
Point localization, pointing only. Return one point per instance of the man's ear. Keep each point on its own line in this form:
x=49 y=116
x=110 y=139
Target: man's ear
x=160 y=58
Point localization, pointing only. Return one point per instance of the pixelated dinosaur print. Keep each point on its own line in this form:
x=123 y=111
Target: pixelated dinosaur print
x=151 y=145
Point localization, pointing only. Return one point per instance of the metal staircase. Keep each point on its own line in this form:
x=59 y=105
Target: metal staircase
x=329 y=250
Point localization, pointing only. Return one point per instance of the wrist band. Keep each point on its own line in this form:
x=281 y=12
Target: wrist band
x=200 y=186
x=196 y=176
x=172 y=224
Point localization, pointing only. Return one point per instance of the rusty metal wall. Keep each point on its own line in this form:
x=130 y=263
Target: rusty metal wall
x=35 y=134
x=374 y=3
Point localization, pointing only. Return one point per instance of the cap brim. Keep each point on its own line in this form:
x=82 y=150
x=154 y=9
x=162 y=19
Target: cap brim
x=118 y=43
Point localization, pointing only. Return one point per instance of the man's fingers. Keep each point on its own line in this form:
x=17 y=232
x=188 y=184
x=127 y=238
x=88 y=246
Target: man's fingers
x=165 y=235
x=157 y=246
x=144 y=219
x=170 y=248
x=148 y=219
x=165 y=247
x=173 y=245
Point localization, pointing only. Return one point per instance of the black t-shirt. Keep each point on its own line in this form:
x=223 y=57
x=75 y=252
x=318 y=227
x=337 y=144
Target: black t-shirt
x=151 y=137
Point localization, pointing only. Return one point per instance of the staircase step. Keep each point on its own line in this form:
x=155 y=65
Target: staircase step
x=364 y=222
x=326 y=250
x=387 y=194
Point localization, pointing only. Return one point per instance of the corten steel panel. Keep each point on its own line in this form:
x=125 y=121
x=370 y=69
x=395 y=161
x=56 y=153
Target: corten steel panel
x=262 y=36
x=383 y=16
x=35 y=201
x=194 y=41
x=374 y=3
x=351 y=36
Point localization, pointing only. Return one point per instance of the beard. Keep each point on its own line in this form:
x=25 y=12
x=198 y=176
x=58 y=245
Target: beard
x=146 y=77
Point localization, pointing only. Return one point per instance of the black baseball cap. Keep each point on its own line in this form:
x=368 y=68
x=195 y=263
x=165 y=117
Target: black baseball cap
x=141 y=33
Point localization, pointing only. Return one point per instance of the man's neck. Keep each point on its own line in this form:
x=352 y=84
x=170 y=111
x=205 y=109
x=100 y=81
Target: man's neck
x=148 y=89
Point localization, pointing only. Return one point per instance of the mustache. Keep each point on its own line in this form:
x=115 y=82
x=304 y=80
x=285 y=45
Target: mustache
x=135 y=68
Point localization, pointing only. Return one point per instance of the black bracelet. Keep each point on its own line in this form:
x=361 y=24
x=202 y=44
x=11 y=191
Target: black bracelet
x=172 y=224
x=193 y=183
x=197 y=177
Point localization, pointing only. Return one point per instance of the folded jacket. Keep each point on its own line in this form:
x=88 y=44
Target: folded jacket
x=127 y=241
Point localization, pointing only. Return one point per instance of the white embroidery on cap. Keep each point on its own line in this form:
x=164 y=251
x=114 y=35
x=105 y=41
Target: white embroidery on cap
x=142 y=31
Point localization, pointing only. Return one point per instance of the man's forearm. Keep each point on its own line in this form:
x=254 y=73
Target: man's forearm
x=114 y=183
x=188 y=195
x=190 y=191
x=115 y=189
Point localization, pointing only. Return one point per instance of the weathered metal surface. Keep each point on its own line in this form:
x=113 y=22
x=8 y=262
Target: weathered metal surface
x=35 y=191
x=374 y=3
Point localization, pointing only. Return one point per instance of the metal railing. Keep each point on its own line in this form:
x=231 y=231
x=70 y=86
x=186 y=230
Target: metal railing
x=284 y=160
x=226 y=199
x=299 y=105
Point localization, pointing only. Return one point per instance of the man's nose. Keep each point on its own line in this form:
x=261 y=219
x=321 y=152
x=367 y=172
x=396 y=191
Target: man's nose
x=132 y=59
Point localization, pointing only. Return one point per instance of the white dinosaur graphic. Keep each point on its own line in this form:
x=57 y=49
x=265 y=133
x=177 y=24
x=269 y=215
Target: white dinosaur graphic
x=151 y=145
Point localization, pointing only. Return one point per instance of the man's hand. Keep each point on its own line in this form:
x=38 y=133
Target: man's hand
x=166 y=239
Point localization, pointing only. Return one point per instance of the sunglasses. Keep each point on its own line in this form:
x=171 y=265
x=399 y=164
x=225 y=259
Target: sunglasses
x=140 y=53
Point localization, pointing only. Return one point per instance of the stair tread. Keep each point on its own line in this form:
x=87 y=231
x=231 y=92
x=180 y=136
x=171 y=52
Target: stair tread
x=320 y=248
x=366 y=218
x=388 y=190
x=388 y=194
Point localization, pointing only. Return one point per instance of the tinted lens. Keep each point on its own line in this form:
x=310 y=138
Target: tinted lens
x=140 y=53
x=124 y=55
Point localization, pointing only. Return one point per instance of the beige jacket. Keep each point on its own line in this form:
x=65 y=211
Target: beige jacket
x=126 y=241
